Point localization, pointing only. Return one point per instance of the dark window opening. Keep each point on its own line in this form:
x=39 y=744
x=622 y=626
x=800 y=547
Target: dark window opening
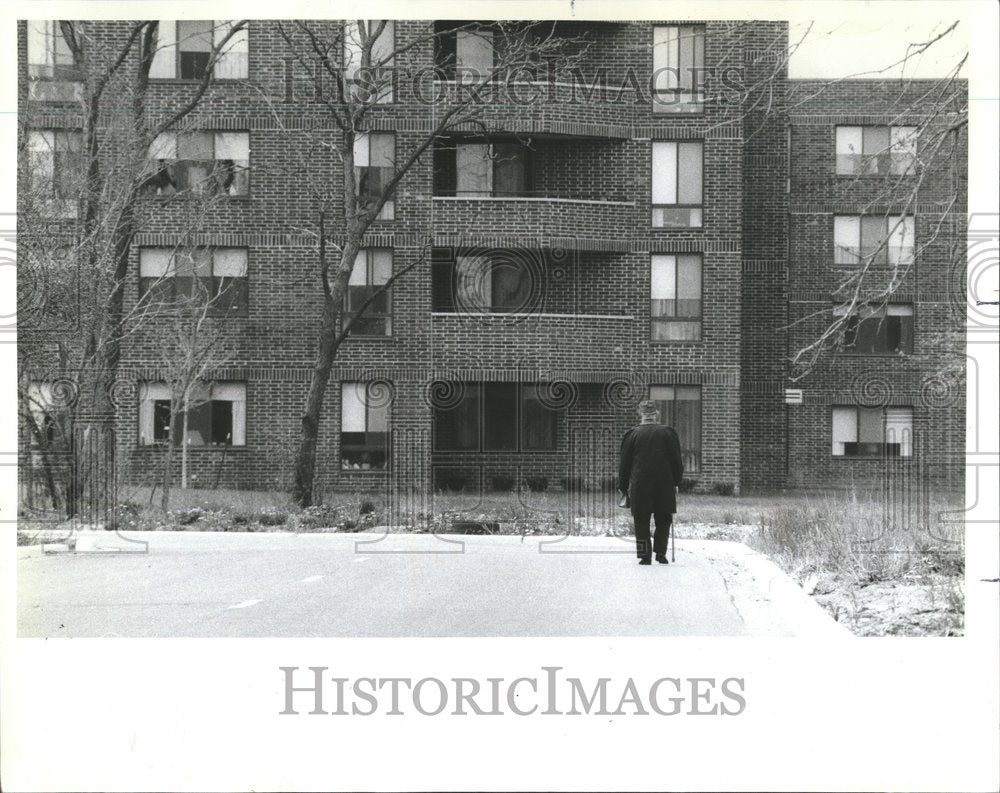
x=496 y=417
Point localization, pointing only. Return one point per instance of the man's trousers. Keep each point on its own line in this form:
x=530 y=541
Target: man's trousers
x=662 y=520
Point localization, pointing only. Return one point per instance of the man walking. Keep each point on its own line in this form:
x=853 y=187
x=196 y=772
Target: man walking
x=648 y=473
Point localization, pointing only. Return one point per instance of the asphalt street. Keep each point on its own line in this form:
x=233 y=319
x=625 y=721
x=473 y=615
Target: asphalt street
x=367 y=585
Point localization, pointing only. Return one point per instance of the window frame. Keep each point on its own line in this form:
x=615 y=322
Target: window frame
x=884 y=312
x=857 y=425
x=699 y=97
x=693 y=461
x=388 y=94
x=386 y=450
x=157 y=165
x=158 y=281
x=56 y=205
x=654 y=206
x=389 y=315
x=520 y=446
x=447 y=266
x=890 y=226
x=655 y=319
x=867 y=160
x=174 y=47
x=145 y=387
x=388 y=210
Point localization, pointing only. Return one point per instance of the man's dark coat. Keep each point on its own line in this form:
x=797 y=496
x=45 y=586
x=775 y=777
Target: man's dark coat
x=650 y=468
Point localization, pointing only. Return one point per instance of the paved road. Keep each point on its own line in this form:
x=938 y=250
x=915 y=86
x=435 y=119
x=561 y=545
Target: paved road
x=330 y=585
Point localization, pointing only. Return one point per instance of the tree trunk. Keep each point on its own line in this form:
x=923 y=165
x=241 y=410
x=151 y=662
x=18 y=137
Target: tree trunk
x=168 y=460
x=184 y=448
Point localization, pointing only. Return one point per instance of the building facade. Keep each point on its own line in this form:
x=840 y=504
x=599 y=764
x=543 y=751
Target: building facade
x=668 y=217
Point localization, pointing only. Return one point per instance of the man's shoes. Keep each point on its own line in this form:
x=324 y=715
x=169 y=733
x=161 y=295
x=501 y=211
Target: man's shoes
x=645 y=561
x=662 y=559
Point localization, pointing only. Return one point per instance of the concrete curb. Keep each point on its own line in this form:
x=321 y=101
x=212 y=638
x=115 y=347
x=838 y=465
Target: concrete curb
x=776 y=586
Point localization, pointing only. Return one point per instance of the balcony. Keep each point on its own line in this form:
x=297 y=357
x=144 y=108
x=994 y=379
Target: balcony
x=598 y=224
x=532 y=343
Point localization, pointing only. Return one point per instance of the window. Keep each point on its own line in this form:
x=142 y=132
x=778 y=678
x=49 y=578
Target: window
x=879 y=330
x=46 y=427
x=54 y=171
x=372 y=81
x=204 y=163
x=374 y=166
x=496 y=417
x=184 y=50
x=364 y=429
x=219 y=275
x=872 y=432
x=472 y=282
x=476 y=169
x=883 y=240
x=53 y=73
x=372 y=269
x=677 y=184
x=678 y=68
x=680 y=408
x=465 y=54
x=675 y=297
x=216 y=415
x=876 y=150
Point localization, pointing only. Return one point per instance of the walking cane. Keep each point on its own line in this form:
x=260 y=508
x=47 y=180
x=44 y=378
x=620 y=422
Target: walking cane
x=673 y=543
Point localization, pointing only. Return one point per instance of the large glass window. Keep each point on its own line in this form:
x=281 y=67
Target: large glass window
x=476 y=282
x=680 y=408
x=372 y=270
x=873 y=330
x=876 y=150
x=364 y=429
x=675 y=297
x=216 y=415
x=184 y=50
x=875 y=238
x=872 y=432
x=677 y=184
x=53 y=73
x=465 y=54
x=496 y=417
x=678 y=68
x=477 y=169
x=214 y=275
x=205 y=163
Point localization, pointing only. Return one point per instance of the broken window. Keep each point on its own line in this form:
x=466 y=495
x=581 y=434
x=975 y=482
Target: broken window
x=876 y=150
x=675 y=297
x=680 y=408
x=677 y=184
x=172 y=276
x=371 y=81
x=874 y=238
x=496 y=417
x=372 y=270
x=216 y=415
x=678 y=68
x=879 y=330
x=374 y=167
x=54 y=171
x=184 y=50
x=202 y=163
x=53 y=73
x=364 y=429
x=872 y=432
x=477 y=169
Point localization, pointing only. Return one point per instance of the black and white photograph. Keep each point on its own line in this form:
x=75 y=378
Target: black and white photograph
x=591 y=365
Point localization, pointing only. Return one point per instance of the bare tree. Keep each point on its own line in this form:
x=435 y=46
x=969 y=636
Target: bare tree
x=352 y=67
x=80 y=191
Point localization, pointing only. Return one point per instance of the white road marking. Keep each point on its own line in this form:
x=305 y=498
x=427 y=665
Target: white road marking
x=245 y=604
x=362 y=559
x=311 y=578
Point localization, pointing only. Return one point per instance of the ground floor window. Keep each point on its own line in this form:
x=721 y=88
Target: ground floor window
x=364 y=429
x=872 y=432
x=216 y=415
x=496 y=417
x=680 y=408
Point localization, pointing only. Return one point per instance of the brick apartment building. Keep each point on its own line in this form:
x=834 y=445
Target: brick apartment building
x=572 y=255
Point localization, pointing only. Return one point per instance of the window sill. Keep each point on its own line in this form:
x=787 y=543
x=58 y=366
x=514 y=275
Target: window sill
x=186 y=196
x=359 y=337
x=673 y=342
x=891 y=355
x=872 y=458
x=534 y=199
x=364 y=470
x=677 y=228
x=194 y=80
x=162 y=447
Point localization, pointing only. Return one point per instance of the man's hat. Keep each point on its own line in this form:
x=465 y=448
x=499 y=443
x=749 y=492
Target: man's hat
x=648 y=408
